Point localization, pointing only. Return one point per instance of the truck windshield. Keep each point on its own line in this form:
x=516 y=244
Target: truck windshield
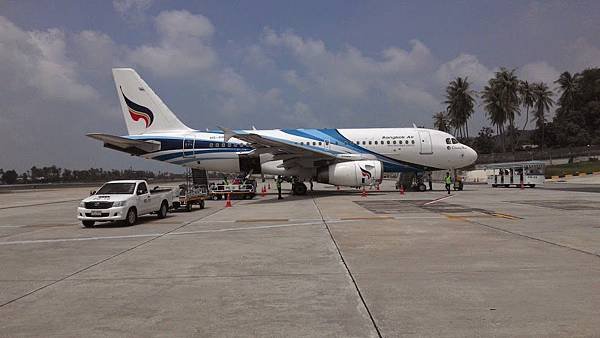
x=117 y=188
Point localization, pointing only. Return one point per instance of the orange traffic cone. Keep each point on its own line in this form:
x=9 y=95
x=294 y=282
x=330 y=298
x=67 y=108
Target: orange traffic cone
x=364 y=192
x=228 y=203
x=401 y=189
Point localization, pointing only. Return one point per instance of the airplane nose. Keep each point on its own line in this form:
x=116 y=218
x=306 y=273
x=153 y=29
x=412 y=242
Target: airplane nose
x=471 y=155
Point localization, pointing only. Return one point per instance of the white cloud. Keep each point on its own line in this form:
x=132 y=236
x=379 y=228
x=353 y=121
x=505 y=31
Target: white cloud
x=183 y=46
x=539 y=72
x=37 y=60
x=131 y=8
x=464 y=65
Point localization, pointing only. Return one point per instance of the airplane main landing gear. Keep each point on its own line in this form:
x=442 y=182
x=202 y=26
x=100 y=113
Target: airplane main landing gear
x=299 y=188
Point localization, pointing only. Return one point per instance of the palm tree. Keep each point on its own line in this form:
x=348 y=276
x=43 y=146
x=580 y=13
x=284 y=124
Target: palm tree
x=461 y=102
x=568 y=87
x=492 y=105
x=543 y=103
x=507 y=85
x=527 y=99
x=441 y=121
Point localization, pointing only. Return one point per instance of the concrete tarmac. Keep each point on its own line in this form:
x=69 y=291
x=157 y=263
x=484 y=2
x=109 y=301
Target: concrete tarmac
x=480 y=262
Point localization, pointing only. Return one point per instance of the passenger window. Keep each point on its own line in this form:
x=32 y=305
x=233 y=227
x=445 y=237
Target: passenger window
x=388 y=142
x=454 y=141
x=394 y=141
x=364 y=142
x=320 y=143
x=370 y=142
x=210 y=145
x=314 y=143
x=223 y=145
x=448 y=141
x=406 y=142
x=413 y=141
x=375 y=142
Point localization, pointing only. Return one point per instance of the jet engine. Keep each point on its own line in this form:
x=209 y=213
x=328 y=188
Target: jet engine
x=351 y=173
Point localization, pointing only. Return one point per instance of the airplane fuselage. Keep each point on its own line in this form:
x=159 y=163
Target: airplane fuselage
x=399 y=149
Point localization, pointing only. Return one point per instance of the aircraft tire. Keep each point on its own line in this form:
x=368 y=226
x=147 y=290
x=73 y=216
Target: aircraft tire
x=299 y=189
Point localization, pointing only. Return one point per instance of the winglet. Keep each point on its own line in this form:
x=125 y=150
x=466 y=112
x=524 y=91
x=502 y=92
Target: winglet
x=415 y=126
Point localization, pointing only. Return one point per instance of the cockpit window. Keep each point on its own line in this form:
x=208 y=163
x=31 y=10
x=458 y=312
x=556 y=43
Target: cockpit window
x=448 y=141
x=454 y=141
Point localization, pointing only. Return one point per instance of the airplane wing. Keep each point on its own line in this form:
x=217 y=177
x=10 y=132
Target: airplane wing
x=280 y=148
x=134 y=147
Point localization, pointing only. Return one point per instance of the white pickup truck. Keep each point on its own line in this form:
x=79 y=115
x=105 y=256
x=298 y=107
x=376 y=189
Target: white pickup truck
x=124 y=201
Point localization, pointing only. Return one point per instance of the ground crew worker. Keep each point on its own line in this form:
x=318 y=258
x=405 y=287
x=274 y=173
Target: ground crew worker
x=448 y=181
x=279 y=188
x=430 y=181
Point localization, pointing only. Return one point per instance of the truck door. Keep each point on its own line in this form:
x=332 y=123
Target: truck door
x=143 y=196
x=425 y=142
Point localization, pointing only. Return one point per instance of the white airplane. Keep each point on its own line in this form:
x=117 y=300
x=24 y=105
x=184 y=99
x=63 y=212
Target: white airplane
x=342 y=157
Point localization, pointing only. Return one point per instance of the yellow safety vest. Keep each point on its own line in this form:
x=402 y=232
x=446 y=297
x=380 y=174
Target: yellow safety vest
x=448 y=180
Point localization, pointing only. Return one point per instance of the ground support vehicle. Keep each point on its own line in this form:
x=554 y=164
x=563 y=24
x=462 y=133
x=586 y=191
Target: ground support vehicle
x=190 y=195
x=125 y=201
x=518 y=174
x=246 y=190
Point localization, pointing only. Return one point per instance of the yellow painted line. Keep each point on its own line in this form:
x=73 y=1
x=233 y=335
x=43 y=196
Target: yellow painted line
x=455 y=218
x=596 y=173
x=497 y=214
x=555 y=177
x=582 y=174
x=568 y=176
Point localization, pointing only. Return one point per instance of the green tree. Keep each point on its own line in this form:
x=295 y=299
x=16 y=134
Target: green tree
x=441 y=121
x=494 y=111
x=527 y=99
x=484 y=142
x=568 y=87
x=460 y=100
x=543 y=103
x=10 y=177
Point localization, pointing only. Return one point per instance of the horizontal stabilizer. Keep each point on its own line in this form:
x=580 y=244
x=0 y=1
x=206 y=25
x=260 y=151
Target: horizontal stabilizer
x=135 y=147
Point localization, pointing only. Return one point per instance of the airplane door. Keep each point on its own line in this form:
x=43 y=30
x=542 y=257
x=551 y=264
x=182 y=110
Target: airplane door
x=188 y=146
x=425 y=141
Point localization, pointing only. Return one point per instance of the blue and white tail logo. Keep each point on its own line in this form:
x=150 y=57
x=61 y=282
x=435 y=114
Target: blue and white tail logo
x=138 y=112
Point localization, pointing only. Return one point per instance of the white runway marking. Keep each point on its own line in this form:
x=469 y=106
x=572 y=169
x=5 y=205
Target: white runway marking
x=80 y=239
x=437 y=200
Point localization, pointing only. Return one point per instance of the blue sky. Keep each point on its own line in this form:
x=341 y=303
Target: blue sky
x=272 y=64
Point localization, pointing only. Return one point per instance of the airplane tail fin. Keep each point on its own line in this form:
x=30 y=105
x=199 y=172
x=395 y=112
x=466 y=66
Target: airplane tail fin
x=143 y=110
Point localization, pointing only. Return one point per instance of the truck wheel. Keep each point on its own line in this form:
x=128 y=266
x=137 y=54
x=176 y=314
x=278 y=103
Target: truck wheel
x=188 y=207
x=422 y=187
x=88 y=224
x=162 y=212
x=131 y=218
x=202 y=204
